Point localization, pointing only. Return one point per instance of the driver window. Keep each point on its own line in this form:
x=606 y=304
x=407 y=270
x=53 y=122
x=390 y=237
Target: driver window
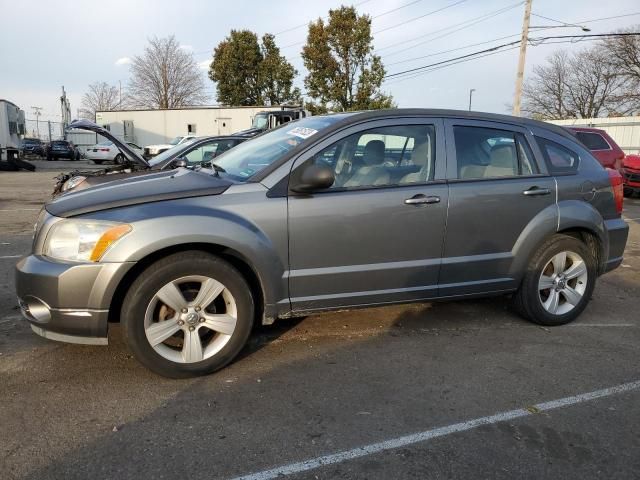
x=385 y=156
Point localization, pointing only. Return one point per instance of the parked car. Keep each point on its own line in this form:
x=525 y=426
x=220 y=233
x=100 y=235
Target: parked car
x=153 y=150
x=62 y=149
x=327 y=212
x=107 y=151
x=129 y=162
x=32 y=146
x=631 y=174
x=602 y=146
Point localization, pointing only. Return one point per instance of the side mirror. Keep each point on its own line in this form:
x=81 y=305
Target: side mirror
x=179 y=162
x=313 y=178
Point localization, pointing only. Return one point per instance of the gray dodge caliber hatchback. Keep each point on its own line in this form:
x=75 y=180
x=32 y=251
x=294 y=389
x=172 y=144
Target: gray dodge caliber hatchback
x=329 y=212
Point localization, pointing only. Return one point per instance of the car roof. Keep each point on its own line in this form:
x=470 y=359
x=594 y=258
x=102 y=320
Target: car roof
x=464 y=114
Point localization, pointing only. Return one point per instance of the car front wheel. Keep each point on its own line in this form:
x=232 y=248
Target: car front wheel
x=188 y=314
x=559 y=281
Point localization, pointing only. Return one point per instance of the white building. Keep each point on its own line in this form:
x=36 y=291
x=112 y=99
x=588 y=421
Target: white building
x=147 y=127
x=624 y=130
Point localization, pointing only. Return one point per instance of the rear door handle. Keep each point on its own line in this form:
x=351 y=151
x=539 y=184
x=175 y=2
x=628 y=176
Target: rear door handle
x=422 y=200
x=535 y=191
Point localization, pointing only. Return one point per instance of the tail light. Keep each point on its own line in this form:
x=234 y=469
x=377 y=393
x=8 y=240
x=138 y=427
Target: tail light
x=617 y=184
x=103 y=149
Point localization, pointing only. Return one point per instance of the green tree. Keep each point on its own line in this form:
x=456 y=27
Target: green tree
x=344 y=74
x=249 y=73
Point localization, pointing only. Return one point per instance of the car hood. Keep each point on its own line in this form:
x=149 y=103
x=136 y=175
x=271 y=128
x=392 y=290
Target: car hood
x=152 y=187
x=124 y=148
x=632 y=161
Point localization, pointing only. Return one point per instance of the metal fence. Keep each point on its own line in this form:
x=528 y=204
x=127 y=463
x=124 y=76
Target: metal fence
x=43 y=129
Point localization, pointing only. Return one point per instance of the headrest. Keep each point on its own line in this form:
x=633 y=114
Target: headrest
x=503 y=156
x=374 y=152
x=420 y=154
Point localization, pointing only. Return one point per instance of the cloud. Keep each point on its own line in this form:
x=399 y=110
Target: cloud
x=204 y=64
x=187 y=48
x=123 y=61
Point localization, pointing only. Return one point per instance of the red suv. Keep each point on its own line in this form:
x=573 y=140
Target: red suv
x=603 y=147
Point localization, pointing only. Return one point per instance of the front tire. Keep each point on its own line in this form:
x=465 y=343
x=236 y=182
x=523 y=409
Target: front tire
x=188 y=314
x=558 y=283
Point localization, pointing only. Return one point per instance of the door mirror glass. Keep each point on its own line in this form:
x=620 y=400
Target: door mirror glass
x=314 y=177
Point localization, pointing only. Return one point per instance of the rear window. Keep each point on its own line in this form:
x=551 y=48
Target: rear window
x=593 y=141
x=560 y=160
x=59 y=143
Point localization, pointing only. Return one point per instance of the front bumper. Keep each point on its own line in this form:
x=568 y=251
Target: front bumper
x=68 y=302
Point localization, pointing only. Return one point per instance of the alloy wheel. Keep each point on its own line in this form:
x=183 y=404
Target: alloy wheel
x=563 y=282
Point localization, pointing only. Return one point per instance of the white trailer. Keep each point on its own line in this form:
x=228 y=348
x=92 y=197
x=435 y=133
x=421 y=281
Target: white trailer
x=12 y=128
x=147 y=127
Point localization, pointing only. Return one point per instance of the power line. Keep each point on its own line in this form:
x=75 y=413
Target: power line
x=451 y=50
x=396 y=9
x=307 y=23
x=467 y=23
x=458 y=2
x=533 y=41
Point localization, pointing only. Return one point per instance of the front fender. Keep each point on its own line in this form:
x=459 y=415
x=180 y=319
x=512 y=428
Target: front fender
x=160 y=226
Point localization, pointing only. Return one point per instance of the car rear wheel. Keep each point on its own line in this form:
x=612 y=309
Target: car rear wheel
x=627 y=192
x=98 y=162
x=188 y=314
x=559 y=281
x=119 y=160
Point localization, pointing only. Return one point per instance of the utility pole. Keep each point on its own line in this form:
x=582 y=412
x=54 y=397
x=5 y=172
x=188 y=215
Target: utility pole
x=471 y=96
x=517 y=99
x=37 y=112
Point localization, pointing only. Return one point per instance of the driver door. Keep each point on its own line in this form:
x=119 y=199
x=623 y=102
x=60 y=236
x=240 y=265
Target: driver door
x=376 y=235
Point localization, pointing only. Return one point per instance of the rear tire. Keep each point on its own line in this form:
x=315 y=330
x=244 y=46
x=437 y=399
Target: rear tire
x=119 y=160
x=627 y=192
x=558 y=283
x=190 y=345
x=98 y=162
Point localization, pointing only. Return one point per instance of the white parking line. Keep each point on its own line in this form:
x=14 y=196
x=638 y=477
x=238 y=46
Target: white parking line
x=10 y=256
x=358 y=452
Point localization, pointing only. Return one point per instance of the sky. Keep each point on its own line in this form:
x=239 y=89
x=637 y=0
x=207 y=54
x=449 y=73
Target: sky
x=53 y=43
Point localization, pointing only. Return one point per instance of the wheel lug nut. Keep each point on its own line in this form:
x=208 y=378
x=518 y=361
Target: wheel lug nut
x=201 y=319
x=191 y=329
x=184 y=310
x=180 y=322
x=197 y=309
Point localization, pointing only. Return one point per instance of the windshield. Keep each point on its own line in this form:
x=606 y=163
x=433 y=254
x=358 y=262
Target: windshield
x=175 y=141
x=250 y=157
x=172 y=153
x=260 y=121
x=105 y=144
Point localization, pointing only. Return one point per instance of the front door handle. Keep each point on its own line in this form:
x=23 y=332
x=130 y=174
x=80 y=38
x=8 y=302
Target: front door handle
x=535 y=191
x=422 y=200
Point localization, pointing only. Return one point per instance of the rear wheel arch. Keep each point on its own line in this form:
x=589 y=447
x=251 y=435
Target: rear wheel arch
x=235 y=258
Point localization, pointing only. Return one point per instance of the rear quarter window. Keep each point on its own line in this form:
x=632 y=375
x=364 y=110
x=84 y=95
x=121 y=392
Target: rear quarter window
x=560 y=160
x=593 y=141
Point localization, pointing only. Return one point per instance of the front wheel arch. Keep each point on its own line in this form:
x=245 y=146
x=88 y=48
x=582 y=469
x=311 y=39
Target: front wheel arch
x=236 y=259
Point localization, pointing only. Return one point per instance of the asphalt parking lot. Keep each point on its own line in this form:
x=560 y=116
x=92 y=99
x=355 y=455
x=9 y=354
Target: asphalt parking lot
x=442 y=390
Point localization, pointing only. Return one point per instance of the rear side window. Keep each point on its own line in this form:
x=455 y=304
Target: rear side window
x=593 y=141
x=492 y=153
x=560 y=160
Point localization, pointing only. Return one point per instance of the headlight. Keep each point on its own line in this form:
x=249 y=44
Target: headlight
x=83 y=240
x=73 y=182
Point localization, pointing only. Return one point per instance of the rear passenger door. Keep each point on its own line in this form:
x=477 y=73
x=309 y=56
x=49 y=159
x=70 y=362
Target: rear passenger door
x=496 y=189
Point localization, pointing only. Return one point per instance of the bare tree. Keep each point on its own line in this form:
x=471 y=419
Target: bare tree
x=165 y=76
x=545 y=93
x=624 y=57
x=100 y=97
x=581 y=85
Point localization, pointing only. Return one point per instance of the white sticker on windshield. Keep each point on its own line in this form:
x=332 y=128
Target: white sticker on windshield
x=302 y=132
